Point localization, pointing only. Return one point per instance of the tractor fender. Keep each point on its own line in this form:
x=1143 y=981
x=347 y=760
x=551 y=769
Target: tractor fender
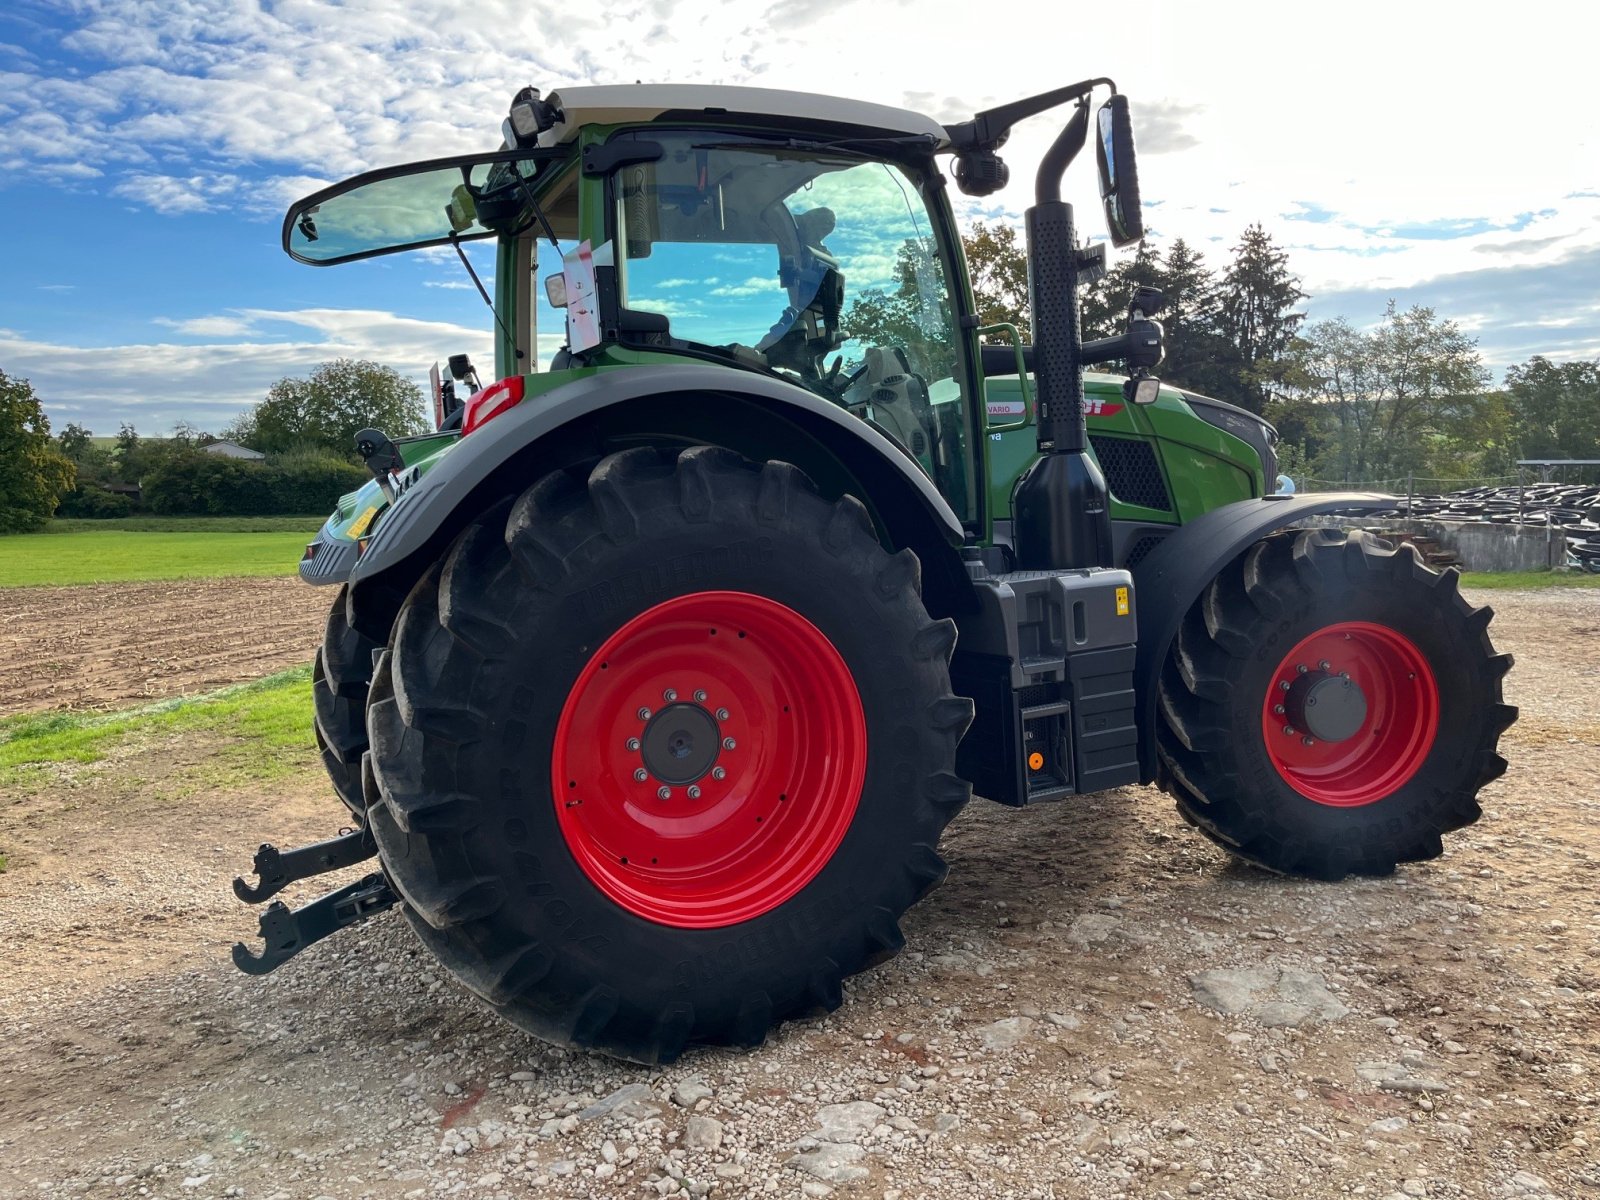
x=1171 y=577
x=744 y=412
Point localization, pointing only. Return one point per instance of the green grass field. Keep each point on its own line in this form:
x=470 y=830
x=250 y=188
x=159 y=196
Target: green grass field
x=264 y=727
x=306 y=524
x=1517 y=580
x=115 y=555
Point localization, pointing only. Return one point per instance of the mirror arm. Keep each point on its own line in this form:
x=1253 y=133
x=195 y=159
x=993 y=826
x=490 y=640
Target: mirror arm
x=989 y=129
x=1053 y=166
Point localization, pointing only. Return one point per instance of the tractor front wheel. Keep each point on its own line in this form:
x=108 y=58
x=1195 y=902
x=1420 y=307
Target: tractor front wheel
x=662 y=751
x=340 y=677
x=1331 y=706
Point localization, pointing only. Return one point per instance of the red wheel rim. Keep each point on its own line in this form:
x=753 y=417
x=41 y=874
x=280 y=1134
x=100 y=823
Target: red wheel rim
x=746 y=715
x=1392 y=736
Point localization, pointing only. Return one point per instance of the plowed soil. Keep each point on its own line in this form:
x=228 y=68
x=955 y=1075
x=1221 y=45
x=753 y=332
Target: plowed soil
x=111 y=645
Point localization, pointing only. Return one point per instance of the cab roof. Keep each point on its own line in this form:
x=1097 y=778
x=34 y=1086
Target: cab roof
x=625 y=103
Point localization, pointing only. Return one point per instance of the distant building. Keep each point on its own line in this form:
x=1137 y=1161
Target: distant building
x=233 y=450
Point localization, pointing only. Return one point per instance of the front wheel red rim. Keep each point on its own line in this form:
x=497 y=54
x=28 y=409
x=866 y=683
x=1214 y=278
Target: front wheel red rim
x=709 y=759
x=1358 y=750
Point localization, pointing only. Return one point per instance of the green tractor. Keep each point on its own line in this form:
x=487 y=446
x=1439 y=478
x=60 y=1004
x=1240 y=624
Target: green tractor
x=655 y=676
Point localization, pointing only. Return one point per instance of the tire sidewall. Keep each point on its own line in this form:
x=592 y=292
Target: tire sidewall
x=517 y=839
x=1449 y=648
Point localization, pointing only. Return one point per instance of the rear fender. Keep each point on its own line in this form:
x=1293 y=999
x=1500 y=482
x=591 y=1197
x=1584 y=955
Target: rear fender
x=671 y=405
x=1170 y=579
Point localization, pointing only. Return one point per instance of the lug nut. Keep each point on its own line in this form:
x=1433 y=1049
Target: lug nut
x=1278 y=708
x=669 y=695
x=1284 y=686
x=1289 y=729
x=718 y=773
x=1308 y=741
x=633 y=743
x=722 y=714
x=640 y=775
x=700 y=695
x=644 y=714
x=1323 y=666
x=663 y=793
x=728 y=743
x=694 y=792
x=1301 y=667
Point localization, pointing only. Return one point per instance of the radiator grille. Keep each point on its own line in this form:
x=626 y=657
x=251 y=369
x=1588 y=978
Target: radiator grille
x=1131 y=470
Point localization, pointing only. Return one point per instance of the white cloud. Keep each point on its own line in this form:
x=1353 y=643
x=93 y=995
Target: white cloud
x=156 y=384
x=1377 y=118
x=209 y=326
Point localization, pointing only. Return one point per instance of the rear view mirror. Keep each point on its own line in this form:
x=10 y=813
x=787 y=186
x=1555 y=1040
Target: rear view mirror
x=1119 y=174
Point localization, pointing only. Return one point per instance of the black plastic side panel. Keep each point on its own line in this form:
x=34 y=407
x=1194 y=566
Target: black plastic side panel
x=486 y=465
x=990 y=756
x=1105 y=733
x=1172 y=576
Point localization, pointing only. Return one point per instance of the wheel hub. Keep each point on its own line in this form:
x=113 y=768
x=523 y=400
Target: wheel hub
x=729 y=798
x=1328 y=707
x=1350 y=713
x=680 y=744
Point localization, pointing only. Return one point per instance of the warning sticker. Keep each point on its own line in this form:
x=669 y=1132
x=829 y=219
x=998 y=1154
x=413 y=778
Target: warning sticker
x=361 y=524
x=1122 y=602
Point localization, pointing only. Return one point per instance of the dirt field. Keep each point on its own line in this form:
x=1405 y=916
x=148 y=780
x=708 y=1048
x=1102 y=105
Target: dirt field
x=1045 y=1034
x=116 y=644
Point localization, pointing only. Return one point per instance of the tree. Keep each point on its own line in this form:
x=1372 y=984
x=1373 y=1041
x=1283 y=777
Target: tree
x=33 y=472
x=911 y=317
x=1555 y=408
x=75 y=443
x=998 y=265
x=1257 y=299
x=1401 y=399
x=330 y=407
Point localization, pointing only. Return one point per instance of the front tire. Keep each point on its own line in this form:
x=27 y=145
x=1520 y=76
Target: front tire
x=340 y=678
x=1409 y=689
x=810 y=711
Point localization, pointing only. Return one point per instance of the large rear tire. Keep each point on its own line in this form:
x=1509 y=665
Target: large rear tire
x=756 y=655
x=1331 y=706
x=340 y=678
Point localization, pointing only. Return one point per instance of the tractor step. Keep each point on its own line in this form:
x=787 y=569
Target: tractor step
x=276 y=869
x=288 y=931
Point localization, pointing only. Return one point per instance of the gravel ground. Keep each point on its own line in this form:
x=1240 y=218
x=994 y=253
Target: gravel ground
x=1097 y=1004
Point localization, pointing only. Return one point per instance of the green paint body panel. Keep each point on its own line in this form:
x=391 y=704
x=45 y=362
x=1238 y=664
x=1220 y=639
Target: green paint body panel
x=1202 y=466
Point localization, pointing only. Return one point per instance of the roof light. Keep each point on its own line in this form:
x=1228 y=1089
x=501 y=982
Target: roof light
x=483 y=407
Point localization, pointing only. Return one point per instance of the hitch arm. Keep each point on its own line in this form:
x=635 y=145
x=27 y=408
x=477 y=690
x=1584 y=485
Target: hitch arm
x=276 y=869
x=288 y=931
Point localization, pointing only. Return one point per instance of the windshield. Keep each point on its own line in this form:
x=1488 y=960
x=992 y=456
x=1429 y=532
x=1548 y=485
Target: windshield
x=817 y=265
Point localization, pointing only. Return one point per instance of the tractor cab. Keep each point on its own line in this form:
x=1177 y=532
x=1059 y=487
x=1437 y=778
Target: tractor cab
x=789 y=235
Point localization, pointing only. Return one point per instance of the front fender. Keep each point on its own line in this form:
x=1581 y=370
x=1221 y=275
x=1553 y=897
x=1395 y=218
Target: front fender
x=719 y=405
x=1172 y=576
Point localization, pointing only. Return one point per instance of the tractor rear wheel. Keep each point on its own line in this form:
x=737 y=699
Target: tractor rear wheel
x=1331 y=706
x=340 y=677
x=662 y=751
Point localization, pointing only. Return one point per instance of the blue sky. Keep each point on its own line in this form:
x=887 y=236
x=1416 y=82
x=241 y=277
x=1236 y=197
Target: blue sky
x=148 y=148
